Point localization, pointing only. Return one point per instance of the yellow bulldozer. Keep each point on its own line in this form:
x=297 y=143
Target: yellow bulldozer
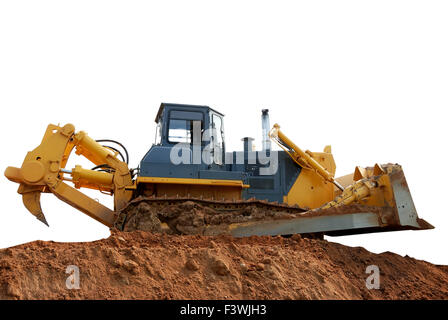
x=187 y=183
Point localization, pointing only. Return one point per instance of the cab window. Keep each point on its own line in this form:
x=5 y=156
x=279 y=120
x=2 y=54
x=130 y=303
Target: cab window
x=218 y=143
x=180 y=131
x=181 y=126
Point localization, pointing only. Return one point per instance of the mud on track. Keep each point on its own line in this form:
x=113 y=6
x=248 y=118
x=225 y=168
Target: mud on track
x=194 y=218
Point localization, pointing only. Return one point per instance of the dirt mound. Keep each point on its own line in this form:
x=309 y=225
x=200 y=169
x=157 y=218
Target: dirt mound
x=141 y=265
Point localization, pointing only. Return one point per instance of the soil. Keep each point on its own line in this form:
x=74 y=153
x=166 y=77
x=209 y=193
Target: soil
x=145 y=265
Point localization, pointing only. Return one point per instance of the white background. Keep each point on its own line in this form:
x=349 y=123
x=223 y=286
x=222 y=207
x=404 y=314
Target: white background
x=368 y=77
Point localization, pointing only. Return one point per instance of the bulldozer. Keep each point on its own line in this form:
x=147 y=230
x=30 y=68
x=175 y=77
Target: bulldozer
x=188 y=183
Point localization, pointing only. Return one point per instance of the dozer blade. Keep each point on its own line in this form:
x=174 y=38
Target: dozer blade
x=388 y=206
x=31 y=200
x=332 y=224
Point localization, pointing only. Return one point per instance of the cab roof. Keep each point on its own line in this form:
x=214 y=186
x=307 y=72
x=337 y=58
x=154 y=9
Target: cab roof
x=180 y=106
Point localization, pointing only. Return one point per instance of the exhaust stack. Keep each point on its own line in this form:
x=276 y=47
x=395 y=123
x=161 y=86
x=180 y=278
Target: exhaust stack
x=265 y=125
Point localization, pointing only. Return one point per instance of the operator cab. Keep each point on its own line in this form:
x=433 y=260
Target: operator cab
x=197 y=130
x=176 y=123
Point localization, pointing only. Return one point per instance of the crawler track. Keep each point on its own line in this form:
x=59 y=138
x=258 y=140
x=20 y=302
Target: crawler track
x=188 y=215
